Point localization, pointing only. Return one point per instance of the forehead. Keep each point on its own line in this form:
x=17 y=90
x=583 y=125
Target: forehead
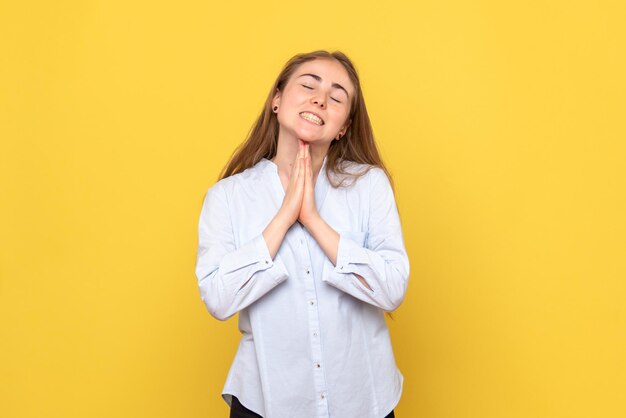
x=330 y=71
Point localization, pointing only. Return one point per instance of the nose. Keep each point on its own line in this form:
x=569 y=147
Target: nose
x=319 y=101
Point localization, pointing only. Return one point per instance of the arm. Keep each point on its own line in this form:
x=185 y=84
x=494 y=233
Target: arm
x=328 y=239
x=377 y=273
x=231 y=278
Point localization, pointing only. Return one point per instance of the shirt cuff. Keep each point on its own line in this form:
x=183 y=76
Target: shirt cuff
x=275 y=269
x=253 y=252
x=351 y=251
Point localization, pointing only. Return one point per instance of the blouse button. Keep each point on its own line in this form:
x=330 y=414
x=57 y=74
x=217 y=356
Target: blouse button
x=323 y=396
x=315 y=334
x=311 y=303
x=317 y=365
x=267 y=261
x=307 y=272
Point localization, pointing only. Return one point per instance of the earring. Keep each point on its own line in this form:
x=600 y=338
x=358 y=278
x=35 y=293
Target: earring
x=275 y=109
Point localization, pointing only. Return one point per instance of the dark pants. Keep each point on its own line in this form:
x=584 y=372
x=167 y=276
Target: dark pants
x=237 y=410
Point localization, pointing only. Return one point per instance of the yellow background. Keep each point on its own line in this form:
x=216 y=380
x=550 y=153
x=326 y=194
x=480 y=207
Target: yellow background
x=503 y=125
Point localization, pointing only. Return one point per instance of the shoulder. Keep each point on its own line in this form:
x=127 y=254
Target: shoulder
x=360 y=175
x=243 y=180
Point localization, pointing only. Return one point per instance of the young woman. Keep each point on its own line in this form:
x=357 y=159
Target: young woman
x=301 y=236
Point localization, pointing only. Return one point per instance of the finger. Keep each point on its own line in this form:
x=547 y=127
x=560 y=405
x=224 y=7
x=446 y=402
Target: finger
x=298 y=154
x=305 y=182
x=294 y=171
x=301 y=172
x=309 y=173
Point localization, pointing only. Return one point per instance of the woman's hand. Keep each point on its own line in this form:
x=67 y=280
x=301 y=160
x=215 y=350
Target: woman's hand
x=292 y=202
x=308 y=210
x=275 y=231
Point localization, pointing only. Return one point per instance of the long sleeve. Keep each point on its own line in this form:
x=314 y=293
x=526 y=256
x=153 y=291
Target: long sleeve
x=222 y=269
x=381 y=259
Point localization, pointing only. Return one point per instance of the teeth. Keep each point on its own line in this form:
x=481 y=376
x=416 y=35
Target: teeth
x=311 y=117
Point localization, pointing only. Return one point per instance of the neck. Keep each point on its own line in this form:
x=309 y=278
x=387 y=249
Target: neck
x=286 y=156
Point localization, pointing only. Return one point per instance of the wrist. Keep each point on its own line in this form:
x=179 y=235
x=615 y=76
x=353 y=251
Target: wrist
x=282 y=222
x=312 y=223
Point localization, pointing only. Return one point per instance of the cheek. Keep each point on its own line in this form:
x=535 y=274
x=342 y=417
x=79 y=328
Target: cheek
x=339 y=118
x=294 y=102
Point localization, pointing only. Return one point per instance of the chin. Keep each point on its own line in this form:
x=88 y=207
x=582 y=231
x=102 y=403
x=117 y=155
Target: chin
x=311 y=140
x=305 y=137
x=309 y=136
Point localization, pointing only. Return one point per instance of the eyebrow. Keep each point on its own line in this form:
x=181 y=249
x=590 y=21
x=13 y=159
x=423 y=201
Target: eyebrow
x=318 y=78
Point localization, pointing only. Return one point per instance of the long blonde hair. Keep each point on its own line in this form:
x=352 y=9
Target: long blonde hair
x=357 y=145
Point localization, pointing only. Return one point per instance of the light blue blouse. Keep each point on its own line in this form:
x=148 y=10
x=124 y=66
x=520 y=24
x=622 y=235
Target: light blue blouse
x=314 y=339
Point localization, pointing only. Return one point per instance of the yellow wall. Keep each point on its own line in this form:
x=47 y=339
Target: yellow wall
x=502 y=123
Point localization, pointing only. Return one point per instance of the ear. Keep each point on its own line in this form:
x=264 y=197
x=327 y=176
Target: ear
x=276 y=99
x=343 y=130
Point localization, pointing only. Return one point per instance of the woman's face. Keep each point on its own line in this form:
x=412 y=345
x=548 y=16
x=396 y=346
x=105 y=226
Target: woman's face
x=315 y=103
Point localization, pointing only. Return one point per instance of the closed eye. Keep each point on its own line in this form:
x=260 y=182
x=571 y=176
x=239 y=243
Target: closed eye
x=311 y=88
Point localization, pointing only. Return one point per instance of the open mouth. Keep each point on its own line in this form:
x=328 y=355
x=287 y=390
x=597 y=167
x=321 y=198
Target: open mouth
x=311 y=117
